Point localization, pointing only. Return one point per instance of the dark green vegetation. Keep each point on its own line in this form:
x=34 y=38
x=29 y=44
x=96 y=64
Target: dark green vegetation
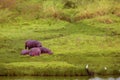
x=75 y=39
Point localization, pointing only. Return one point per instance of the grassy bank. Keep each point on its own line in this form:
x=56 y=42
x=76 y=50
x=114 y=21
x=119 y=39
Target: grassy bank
x=74 y=45
x=77 y=36
x=53 y=68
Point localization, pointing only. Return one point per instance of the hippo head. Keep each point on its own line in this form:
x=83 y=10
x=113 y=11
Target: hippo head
x=50 y=52
x=45 y=50
x=24 y=52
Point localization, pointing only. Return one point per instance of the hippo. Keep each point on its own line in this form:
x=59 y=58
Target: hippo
x=34 y=51
x=45 y=50
x=32 y=43
x=25 y=52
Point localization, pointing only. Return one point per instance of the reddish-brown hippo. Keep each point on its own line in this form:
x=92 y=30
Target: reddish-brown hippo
x=32 y=43
x=34 y=51
x=25 y=52
x=45 y=50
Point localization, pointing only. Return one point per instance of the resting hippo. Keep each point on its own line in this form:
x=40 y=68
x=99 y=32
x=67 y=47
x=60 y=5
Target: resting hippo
x=45 y=50
x=34 y=51
x=24 y=52
x=32 y=43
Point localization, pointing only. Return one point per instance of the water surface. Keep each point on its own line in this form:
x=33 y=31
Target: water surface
x=56 y=78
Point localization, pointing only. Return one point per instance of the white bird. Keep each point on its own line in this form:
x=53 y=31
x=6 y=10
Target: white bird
x=87 y=66
x=105 y=68
x=90 y=73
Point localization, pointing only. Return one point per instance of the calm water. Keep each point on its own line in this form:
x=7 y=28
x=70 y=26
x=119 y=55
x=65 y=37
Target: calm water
x=57 y=78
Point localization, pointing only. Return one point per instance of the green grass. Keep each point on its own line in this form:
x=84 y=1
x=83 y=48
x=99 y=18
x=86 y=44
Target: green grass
x=74 y=46
x=85 y=34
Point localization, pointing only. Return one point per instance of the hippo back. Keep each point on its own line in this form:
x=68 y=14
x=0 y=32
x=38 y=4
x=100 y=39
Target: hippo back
x=32 y=43
x=34 y=51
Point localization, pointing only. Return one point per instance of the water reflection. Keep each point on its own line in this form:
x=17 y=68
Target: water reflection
x=56 y=78
x=109 y=78
x=43 y=78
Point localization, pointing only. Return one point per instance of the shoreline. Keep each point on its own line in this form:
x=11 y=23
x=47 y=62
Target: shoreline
x=49 y=69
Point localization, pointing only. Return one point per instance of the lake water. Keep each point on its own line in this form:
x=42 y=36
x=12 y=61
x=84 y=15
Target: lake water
x=57 y=78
